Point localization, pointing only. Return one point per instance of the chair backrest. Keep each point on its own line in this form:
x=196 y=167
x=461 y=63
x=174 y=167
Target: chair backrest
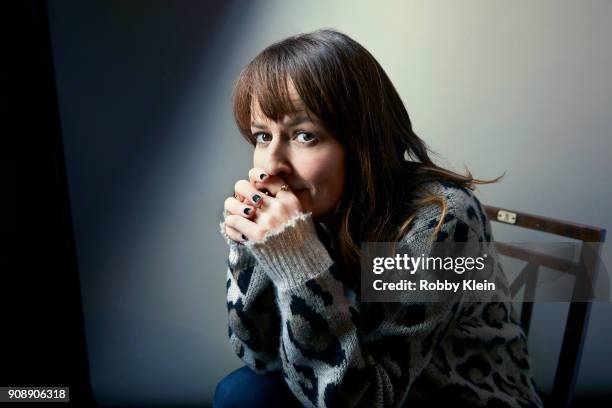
x=579 y=311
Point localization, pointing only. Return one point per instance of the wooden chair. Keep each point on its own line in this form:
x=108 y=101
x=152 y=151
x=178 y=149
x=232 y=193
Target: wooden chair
x=579 y=311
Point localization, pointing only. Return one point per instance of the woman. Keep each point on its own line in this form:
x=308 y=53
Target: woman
x=336 y=163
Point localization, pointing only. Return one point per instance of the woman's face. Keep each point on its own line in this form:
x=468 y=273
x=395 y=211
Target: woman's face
x=300 y=151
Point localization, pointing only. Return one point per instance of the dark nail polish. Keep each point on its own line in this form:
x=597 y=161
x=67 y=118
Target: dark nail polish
x=247 y=210
x=262 y=176
x=244 y=237
x=256 y=198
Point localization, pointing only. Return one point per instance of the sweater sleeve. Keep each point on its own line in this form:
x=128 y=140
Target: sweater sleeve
x=253 y=316
x=333 y=354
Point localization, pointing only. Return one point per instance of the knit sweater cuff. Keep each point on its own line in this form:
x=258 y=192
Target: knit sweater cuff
x=292 y=255
x=239 y=255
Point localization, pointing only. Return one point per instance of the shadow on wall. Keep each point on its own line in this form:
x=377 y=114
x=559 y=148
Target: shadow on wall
x=125 y=72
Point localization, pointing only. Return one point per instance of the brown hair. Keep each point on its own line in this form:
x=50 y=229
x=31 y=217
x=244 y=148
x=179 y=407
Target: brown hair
x=341 y=83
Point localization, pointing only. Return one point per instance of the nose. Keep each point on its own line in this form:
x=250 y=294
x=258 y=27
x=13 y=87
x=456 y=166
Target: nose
x=277 y=160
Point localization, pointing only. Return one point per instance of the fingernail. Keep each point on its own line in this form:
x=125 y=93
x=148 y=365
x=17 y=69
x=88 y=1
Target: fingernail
x=262 y=176
x=256 y=198
x=244 y=237
x=247 y=210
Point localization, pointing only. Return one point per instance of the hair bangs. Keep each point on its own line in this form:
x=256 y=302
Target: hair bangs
x=264 y=81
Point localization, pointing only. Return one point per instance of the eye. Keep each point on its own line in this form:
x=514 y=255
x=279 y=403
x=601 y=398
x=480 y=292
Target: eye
x=262 y=137
x=305 y=137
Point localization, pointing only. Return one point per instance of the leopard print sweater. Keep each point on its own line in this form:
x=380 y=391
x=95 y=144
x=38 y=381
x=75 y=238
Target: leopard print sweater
x=291 y=310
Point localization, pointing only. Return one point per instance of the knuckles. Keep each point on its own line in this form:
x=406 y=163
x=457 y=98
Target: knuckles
x=272 y=215
x=289 y=204
x=293 y=201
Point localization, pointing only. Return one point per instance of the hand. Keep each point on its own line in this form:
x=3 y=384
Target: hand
x=268 y=212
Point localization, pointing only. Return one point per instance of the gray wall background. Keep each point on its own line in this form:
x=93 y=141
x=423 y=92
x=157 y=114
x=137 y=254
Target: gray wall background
x=152 y=152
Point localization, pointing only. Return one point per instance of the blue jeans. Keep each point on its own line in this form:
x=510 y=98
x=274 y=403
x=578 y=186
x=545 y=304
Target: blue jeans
x=244 y=388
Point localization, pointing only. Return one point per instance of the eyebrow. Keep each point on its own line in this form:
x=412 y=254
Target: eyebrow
x=293 y=122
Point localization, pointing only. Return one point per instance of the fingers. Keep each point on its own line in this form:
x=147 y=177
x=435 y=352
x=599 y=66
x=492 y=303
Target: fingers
x=252 y=195
x=243 y=226
x=238 y=197
x=257 y=174
x=235 y=235
x=262 y=180
x=234 y=206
